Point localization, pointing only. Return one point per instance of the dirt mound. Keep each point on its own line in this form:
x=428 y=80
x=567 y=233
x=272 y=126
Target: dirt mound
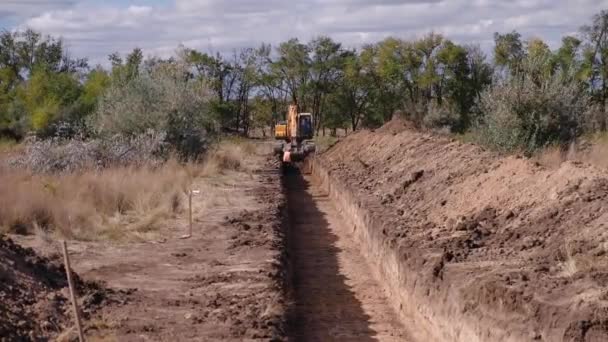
x=33 y=292
x=396 y=125
x=501 y=247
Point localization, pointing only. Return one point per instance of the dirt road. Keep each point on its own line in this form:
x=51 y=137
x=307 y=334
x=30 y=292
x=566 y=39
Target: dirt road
x=337 y=298
x=223 y=284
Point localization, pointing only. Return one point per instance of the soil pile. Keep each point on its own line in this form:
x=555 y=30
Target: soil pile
x=31 y=305
x=499 y=246
x=34 y=296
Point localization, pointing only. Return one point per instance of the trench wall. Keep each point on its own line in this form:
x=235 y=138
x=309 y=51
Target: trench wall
x=436 y=317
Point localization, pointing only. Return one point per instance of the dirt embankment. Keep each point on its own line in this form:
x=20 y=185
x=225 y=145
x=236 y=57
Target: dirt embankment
x=33 y=293
x=477 y=247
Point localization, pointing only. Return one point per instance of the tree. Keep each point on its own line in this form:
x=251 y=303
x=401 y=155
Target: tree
x=326 y=65
x=39 y=82
x=293 y=65
x=430 y=80
x=48 y=96
x=481 y=71
x=596 y=56
x=245 y=73
x=509 y=51
x=383 y=81
x=126 y=70
x=352 y=95
x=95 y=85
x=261 y=114
x=455 y=83
x=566 y=57
x=270 y=83
x=540 y=61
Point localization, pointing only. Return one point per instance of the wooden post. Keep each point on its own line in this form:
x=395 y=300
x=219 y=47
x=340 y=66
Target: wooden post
x=66 y=260
x=190 y=212
x=190 y=223
x=189 y=235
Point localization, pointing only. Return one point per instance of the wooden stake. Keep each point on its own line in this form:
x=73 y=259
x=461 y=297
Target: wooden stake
x=189 y=235
x=190 y=212
x=66 y=260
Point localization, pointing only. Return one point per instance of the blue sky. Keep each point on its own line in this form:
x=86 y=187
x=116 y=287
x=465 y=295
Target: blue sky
x=96 y=28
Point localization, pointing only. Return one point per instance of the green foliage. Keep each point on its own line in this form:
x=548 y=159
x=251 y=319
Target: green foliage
x=162 y=99
x=509 y=50
x=527 y=113
x=528 y=97
x=39 y=84
x=47 y=98
x=293 y=65
x=262 y=114
x=596 y=63
x=95 y=85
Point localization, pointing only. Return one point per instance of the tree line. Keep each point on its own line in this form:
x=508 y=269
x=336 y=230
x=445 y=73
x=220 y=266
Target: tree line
x=523 y=97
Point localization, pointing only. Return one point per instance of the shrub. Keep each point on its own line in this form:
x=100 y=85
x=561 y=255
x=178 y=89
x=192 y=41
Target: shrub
x=58 y=155
x=162 y=98
x=445 y=116
x=528 y=111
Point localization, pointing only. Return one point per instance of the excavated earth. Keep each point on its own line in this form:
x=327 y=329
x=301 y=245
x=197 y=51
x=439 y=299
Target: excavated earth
x=473 y=246
x=228 y=282
x=33 y=295
x=390 y=235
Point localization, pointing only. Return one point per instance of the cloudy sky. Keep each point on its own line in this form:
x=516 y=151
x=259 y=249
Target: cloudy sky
x=95 y=28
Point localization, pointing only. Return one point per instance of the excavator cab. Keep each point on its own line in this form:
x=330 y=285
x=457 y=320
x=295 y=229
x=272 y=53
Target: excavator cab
x=306 y=131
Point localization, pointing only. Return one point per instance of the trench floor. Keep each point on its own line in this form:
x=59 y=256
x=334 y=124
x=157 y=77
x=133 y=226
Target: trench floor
x=337 y=297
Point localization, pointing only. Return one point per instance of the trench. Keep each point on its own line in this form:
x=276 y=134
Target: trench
x=337 y=297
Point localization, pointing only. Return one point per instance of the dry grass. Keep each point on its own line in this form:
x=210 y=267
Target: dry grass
x=119 y=203
x=92 y=205
x=569 y=266
x=598 y=155
x=594 y=152
x=228 y=156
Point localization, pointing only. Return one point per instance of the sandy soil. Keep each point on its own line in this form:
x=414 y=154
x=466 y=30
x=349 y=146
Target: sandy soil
x=500 y=246
x=225 y=283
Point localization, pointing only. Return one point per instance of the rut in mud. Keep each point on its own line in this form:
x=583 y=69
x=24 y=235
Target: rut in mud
x=337 y=298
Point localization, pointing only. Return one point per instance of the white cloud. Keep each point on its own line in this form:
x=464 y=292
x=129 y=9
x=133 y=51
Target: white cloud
x=96 y=29
x=16 y=9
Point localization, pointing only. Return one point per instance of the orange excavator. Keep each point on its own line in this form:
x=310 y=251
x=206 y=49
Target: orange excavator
x=296 y=134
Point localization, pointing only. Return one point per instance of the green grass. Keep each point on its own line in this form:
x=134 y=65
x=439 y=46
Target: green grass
x=324 y=143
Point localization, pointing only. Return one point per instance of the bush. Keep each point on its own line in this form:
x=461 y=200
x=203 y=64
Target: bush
x=526 y=111
x=442 y=117
x=58 y=155
x=162 y=99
